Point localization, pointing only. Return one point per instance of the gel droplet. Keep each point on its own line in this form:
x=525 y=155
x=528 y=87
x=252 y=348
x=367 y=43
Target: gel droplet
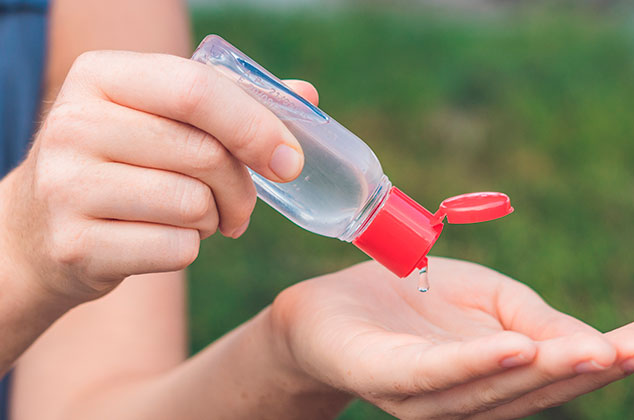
x=423 y=280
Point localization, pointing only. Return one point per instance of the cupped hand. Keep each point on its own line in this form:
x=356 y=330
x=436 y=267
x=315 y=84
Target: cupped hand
x=140 y=157
x=477 y=345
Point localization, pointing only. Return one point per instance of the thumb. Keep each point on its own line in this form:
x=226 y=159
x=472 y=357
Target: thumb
x=304 y=89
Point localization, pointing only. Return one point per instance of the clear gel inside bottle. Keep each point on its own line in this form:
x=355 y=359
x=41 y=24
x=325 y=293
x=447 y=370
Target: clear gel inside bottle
x=342 y=191
x=342 y=181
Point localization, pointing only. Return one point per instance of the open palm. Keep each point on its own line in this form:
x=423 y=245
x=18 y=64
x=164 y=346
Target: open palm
x=478 y=345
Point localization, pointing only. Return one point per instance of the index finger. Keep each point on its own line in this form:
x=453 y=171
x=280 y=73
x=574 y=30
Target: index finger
x=196 y=94
x=566 y=390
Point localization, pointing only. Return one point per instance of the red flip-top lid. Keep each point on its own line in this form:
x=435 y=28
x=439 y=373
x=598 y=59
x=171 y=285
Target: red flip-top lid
x=475 y=207
x=403 y=232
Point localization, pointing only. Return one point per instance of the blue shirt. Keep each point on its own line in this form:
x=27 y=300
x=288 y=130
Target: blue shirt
x=22 y=47
x=22 y=52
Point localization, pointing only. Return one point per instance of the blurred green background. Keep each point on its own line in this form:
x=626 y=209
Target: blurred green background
x=534 y=101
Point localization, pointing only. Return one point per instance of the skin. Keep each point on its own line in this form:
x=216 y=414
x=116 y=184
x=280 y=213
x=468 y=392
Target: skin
x=322 y=342
x=130 y=169
x=478 y=345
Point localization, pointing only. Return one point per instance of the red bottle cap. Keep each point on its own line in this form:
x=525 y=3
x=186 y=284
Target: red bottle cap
x=403 y=232
x=475 y=207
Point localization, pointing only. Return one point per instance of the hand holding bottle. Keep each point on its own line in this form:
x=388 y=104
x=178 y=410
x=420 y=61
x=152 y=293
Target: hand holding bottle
x=140 y=156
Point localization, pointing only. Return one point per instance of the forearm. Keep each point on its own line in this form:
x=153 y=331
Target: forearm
x=244 y=375
x=248 y=374
x=26 y=308
x=77 y=26
x=25 y=313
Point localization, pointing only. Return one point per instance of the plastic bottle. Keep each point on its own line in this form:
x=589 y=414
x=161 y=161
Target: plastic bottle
x=342 y=191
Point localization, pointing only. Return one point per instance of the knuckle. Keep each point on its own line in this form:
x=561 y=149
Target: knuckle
x=84 y=62
x=195 y=200
x=203 y=152
x=236 y=212
x=86 y=68
x=62 y=124
x=210 y=226
x=52 y=181
x=206 y=233
x=195 y=85
x=244 y=211
x=46 y=183
x=186 y=246
x=46 y=188
x=68 y=246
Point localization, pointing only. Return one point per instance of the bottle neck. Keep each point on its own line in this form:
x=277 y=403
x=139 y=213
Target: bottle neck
x=368 y=211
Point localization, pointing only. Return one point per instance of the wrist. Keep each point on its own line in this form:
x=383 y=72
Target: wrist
x=291 y=376
x=27 y=309
x=20 y=277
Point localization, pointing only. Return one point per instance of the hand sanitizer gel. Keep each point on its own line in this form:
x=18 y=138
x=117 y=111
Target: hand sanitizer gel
x=342 y=191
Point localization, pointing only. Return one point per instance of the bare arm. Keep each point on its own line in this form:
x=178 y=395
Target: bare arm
x=130 y=368
x=140 y=25
x=135 y=333
x=77 y=26
x=152 y=303
x=359 y=331
x=480 y=346
x=122 y=356
x=26 y=309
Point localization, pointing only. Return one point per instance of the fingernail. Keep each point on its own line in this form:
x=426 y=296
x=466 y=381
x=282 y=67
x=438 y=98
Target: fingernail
x=286 y=162
x=239 y=231
x=628 y=366
x=589 y=366
x=512 y=361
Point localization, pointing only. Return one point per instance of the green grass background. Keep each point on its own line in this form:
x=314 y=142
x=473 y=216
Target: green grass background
x=536 y=102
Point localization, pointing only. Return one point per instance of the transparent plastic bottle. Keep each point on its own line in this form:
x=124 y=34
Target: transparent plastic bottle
x=342 y=191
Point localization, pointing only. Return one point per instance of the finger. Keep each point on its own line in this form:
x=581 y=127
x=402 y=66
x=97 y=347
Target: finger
x=557 y=360
x=554 y=395
x=623 y=339
x=197 y=94
x=133 y=193
x=566 y=390
x=137 y=248
x=418 y=367
x=142 y=139
x=304 y=89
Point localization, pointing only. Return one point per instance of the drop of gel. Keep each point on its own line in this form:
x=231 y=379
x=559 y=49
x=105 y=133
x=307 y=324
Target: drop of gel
x=423 y=280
